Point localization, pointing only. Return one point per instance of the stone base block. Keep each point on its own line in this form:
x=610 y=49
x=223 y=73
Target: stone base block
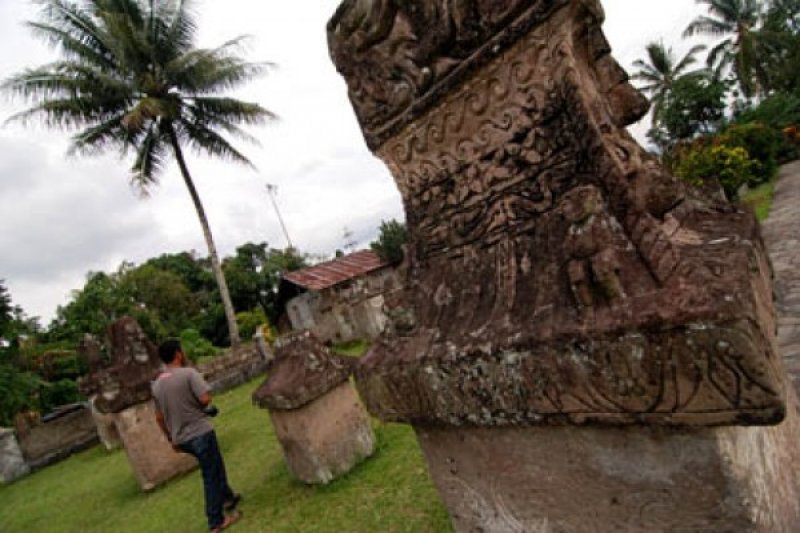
x=106 y=429
x=563 y=479
x=326 y=438
x=151 y=457
x=12 y=464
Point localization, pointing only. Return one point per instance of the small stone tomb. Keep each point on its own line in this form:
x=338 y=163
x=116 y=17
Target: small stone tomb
x=124 y=392
x=318 y=418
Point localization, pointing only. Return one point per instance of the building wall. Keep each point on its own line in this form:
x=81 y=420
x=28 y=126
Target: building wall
x=351 y=310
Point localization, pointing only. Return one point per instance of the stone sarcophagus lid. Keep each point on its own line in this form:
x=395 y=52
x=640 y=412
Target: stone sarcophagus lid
x=556 y=274
x=318 y=419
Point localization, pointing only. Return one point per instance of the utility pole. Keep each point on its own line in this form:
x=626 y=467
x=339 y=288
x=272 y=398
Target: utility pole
x=272 y=191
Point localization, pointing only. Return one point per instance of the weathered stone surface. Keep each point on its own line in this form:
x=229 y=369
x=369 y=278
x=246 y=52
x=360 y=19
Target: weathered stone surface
x=59 y=437
x=325 y=438
x=303 y=370
x=617 y=479
x=152 y=459
x=556 y=274
x=134 y=365
x=106 y=428
x=12 y=464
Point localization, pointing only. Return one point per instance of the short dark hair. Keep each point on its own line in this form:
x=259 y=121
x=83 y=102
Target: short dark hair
x=168 y=350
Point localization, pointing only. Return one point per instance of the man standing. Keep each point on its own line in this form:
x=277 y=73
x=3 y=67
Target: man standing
x=183 y=407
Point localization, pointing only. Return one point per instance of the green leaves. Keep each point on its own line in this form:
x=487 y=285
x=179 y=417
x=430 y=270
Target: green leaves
x=660 y=71
x=389 y=245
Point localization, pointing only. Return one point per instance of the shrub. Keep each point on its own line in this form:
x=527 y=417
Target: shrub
x=195 y=345
x=778 y=112
x=762 y=144
x=62 y=392
x=19 y=393
x=249 y=321
x=731 y=166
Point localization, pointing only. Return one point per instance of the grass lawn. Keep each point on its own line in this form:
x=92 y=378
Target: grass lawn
x=760 y=199
x=95 y=490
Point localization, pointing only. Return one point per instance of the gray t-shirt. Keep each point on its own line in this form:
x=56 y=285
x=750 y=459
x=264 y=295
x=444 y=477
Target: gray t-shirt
x=176 y=392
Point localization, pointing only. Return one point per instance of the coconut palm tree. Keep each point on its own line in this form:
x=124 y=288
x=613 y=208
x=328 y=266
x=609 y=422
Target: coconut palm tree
x=736 y=22
x=660 y=71
x=130 y=78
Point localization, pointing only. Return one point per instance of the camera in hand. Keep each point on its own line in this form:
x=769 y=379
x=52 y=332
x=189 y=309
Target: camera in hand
x=211 y=411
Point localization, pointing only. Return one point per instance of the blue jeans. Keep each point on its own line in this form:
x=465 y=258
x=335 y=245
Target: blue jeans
x=215 y=481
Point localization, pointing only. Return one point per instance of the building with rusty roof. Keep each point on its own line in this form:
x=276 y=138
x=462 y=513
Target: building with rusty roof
x=342 y=299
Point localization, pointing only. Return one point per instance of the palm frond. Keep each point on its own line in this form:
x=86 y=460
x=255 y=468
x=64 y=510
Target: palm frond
x=205 y=141
x=704 y=25
x=689 y=59
x=98 y=138
x=151 y=155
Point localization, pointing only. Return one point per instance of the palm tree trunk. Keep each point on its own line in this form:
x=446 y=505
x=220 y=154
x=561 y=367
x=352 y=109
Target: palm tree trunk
x=216 y=267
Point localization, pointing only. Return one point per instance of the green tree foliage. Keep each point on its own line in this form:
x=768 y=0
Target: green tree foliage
x=391 y=238
x=762 y=144
x=194 y=271
x=661 y=70
x=742 y=48
x=250 y=321
x=195 y=345
x=18 y=388
x=6 y=309
x=694 y=106
x=780 y=35
x=163 y=295
x=131 y=79
x=158 y=299
x=254 y=274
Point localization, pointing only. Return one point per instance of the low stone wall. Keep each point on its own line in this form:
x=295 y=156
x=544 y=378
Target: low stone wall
x=58 y=438
x=234 y=368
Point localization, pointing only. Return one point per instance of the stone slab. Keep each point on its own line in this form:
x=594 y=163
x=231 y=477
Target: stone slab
x=12 y=463
x=303 y=370
x=106 y=428
x=567 y=479
x=151 y=457
x=326 y=438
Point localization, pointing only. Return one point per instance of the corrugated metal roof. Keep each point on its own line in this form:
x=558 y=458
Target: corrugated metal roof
x=339 y=270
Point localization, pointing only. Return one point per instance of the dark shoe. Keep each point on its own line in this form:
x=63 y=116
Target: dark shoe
x=228 y=522
x=231 y=504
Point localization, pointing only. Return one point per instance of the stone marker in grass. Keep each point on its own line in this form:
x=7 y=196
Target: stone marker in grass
x=12 y=463
x=588 y=344
x=124 y=392
x=90 y=353
x=322 y=427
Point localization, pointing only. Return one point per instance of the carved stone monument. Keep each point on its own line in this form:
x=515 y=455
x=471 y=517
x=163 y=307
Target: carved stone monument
x=574 y=317
x=124 y=392
x=322 y=427
x=90 y=351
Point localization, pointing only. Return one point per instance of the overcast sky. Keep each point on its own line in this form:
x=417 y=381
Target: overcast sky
x=63 y=217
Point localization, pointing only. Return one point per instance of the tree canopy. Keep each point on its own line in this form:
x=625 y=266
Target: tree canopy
x=130 y=78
